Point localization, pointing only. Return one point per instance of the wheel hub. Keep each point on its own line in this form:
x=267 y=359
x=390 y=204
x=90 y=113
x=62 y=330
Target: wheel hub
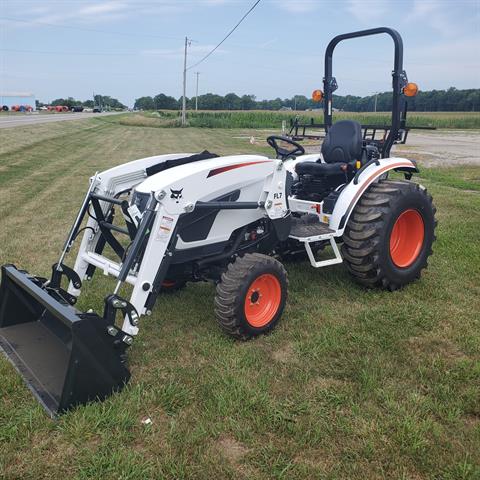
x=406 y=238
x=262 y=300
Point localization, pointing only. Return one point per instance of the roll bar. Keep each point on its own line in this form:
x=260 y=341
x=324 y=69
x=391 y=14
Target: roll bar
x=399 y=80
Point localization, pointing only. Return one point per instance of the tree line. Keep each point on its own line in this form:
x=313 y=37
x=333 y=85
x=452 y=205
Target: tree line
x=103 y=101
x=451 y=100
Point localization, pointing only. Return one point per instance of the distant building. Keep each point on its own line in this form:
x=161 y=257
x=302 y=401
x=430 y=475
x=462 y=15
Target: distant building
x=285 y=109
x=15 y=99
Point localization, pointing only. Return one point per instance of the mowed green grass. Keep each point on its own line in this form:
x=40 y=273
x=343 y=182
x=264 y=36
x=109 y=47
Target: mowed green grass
x=353 y=383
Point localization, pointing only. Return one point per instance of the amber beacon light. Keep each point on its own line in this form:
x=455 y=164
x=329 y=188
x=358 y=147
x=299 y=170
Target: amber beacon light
x=410 y=89
x=317 y=95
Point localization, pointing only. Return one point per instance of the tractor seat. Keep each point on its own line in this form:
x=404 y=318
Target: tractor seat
x=342 y=145
x=343 y=142
x=320 y=169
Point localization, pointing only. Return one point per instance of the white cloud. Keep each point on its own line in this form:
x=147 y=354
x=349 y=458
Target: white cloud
x=101 y=8
x=298 y=6
x=446 y=18
x=446 y=63
x=98 y=11
x=367 y=11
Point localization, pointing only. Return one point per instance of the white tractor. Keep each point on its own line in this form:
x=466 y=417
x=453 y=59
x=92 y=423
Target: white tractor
x=226 y=219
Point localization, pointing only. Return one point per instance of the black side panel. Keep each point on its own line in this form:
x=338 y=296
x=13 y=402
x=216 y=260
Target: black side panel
x=160 y=167
x=197 y=253
x=282 y=227
x=196 y=225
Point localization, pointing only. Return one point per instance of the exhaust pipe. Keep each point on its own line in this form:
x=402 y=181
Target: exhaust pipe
x=66 y=357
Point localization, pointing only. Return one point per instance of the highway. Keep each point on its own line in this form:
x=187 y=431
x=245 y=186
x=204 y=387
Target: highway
x=18 y=120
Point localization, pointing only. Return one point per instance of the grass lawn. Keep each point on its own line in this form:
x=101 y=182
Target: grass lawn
x=353 y=383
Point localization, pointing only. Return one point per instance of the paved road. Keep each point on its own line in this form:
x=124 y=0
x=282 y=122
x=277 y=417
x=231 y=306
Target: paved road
x=8 y=121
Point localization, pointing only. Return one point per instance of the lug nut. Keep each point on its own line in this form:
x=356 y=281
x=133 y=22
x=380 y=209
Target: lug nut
x=127 y=339
x=119 y=303
x=134 y=318
x=112 y=330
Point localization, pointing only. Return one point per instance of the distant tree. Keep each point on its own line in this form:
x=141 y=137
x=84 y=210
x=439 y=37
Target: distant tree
x=434 y=100
x=248 y=102
x=232 y=102
x=165 y=102
x=68 y=102
x=211 y=101
x=144 y=103
x=107 y=102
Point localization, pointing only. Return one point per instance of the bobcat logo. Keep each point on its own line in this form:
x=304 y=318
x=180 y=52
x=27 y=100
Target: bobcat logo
x=176 y=194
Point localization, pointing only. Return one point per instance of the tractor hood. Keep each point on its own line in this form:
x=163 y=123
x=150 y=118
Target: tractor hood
x=202 y=170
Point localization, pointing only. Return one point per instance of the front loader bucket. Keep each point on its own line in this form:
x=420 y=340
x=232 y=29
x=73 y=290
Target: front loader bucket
x=66 y=357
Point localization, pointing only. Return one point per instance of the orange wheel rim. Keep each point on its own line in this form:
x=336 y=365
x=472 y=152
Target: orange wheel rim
x=263 y=300
x=406 y=239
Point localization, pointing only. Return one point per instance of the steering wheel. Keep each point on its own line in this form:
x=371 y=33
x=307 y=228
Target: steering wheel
x=283 y=153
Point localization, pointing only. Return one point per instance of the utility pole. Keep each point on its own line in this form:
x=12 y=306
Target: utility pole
x=196 y=92
x=184 y=101
x=375 y=108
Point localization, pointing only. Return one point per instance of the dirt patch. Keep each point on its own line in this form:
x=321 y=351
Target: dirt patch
x=318 y=460
x=231 y=449
x=285 y=354
x=472 y=421
x=440 y=148
x=434 y=346
x=326 y=383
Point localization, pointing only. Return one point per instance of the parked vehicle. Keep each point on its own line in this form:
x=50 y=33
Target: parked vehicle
x=225 y=219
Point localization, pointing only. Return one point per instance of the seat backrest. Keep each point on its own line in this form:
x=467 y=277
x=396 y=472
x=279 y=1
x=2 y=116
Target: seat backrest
x=343 y=142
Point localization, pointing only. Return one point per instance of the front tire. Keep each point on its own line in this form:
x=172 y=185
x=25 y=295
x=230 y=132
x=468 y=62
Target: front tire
x=251 y=296
x=389 y=235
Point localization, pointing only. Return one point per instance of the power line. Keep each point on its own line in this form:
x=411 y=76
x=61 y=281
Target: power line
x=228 y=34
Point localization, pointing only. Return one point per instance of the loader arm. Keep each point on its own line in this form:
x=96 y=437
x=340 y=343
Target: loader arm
x=68 y=357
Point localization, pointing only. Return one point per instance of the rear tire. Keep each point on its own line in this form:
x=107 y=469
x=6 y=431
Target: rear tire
x=389 y=235
x=251 y=296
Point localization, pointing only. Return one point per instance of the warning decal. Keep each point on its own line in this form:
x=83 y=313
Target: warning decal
x=165 y=229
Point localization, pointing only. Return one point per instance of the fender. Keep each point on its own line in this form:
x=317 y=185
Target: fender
x=351 y=193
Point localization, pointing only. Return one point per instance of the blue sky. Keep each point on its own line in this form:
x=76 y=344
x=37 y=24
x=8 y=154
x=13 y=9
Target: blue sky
x=131 y=48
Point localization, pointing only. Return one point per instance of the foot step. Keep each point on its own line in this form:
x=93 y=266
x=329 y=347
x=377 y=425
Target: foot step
x=304 y=231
